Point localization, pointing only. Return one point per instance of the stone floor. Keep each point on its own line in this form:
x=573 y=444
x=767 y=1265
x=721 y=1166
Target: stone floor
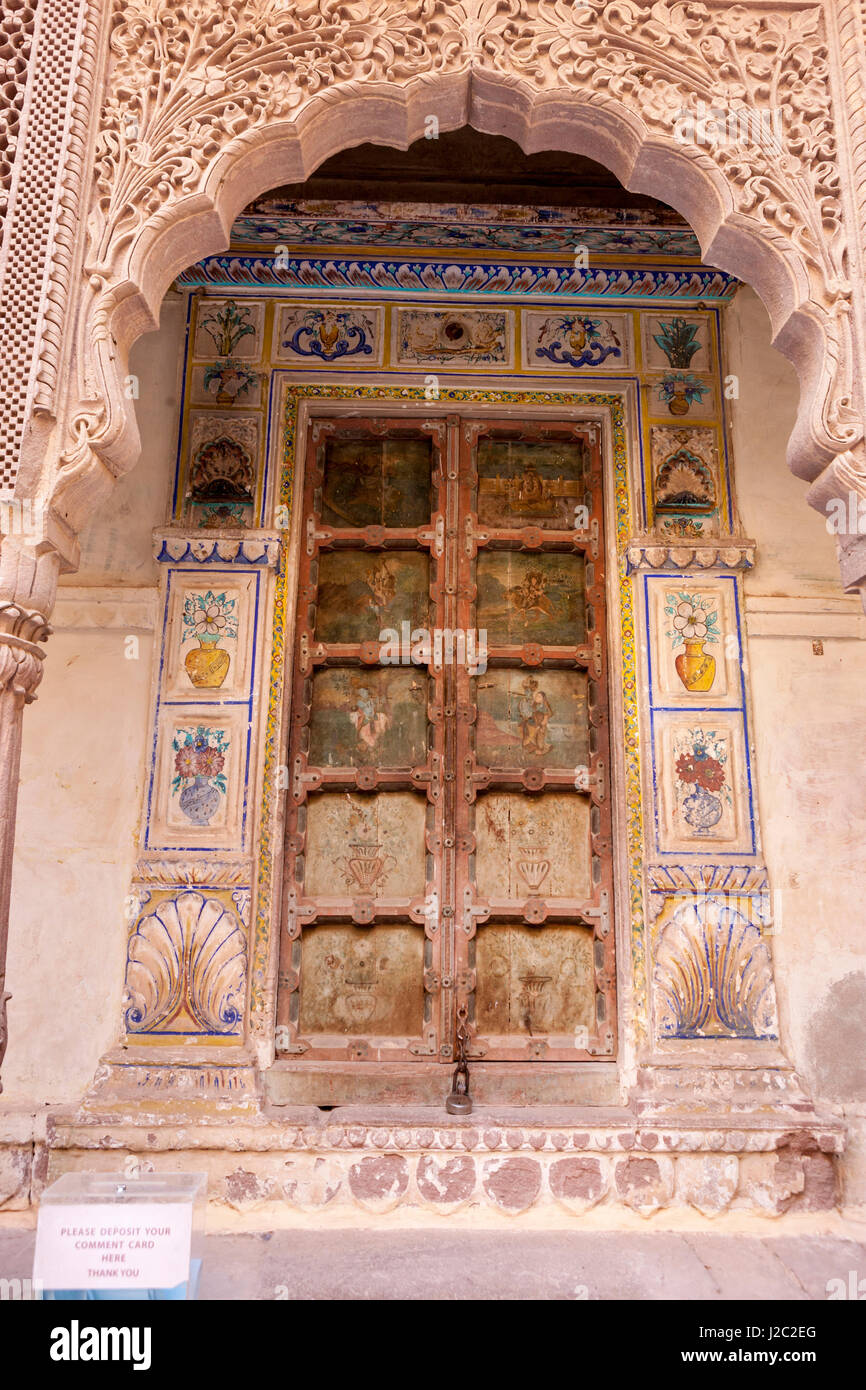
x=494 y=1265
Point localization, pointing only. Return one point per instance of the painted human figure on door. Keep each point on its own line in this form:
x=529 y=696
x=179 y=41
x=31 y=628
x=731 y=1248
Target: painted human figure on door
x=534 y=711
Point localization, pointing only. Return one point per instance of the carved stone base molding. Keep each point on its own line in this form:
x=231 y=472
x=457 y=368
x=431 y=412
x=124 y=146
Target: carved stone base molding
x=422 y=1162
x=200 y=1089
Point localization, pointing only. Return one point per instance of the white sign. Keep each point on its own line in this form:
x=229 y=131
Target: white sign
x=113 y=1245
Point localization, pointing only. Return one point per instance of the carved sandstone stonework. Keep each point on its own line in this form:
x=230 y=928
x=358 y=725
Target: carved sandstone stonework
x=251 y=108
x=206 y=106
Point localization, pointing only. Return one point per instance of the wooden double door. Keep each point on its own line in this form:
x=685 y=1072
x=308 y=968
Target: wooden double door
x=448 y=846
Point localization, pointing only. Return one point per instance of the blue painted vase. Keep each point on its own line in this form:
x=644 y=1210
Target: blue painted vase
x=199 y=800
x=702 y=810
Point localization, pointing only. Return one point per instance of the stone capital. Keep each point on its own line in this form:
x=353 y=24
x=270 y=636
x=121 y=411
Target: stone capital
x=20 y=667
x=840 y=495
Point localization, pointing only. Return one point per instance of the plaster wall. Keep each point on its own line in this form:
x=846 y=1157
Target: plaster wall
x=83 y=765
x=807 y=648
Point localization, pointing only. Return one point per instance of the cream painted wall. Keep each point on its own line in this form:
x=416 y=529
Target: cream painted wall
x=808 y=729
x=83 y=766
x=798 y=555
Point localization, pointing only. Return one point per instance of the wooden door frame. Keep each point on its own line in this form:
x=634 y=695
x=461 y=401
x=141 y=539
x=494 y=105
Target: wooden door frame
x=604 y=410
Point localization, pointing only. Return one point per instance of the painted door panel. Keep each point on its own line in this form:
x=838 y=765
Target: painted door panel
x=448 y=830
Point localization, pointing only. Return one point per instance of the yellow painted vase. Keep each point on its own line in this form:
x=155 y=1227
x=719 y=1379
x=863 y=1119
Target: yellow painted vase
x=206 y=665
x=695 y=667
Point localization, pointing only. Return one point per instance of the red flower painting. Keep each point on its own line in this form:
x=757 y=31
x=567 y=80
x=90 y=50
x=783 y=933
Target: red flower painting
x=702 y=770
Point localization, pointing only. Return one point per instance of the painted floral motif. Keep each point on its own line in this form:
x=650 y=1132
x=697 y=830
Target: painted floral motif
x=701 y=763
x=679 y=390
x=692 y=617
x=224 y=514
x=199 y=762
x=212 y=619
x=480 y=227
x=678 y=341
x=328 y=333
x=577 y=340
x=693 y=621
x=683 y=526
x=226 y=326
x=231 y=379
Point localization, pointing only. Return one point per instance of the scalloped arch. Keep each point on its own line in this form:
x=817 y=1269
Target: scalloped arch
x=273 y=90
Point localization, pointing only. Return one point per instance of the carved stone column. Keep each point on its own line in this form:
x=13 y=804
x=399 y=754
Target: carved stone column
x=27 y=585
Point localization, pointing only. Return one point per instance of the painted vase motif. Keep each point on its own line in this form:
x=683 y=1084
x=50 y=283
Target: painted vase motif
x=533 y=868
x=367 y=867
x=199 y=800
x=679 y=402
x=207 y=664
x=695 y=667
x=199 y=765
x=210 y=619
x=701 y=809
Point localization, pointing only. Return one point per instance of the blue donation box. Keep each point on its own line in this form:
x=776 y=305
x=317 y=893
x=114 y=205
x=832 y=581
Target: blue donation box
x=108 y=1236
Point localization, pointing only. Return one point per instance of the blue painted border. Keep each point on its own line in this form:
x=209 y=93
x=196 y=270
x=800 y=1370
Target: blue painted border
x=162 y=703
x=740 y=709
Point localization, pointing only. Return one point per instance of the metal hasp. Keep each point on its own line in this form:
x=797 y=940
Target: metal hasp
x=460 y=1102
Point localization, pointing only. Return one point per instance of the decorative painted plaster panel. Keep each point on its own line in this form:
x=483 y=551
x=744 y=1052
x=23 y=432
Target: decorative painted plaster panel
x=695 y=644
x=557 y=342
x=685 y=476
x=480 y=227
x=462 y=337
x=227 y=328
x=199 y=796
x=676 y=340
x=680 y=394
x=208 y=647
x=225 y=381
x=186 y=964
x=701 y=775
x=713 y=976
x=223 y=458
x=314 y=335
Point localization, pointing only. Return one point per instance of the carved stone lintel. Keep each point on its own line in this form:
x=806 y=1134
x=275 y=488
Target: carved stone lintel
x=648 y=553
x=701 y=880
x=260 y=548
x=169 y=871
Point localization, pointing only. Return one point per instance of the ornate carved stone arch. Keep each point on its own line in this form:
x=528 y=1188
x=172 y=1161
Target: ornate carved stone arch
x=206 y=106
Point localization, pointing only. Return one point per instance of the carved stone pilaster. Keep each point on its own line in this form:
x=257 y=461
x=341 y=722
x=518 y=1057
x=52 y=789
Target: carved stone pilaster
x=27 y=586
